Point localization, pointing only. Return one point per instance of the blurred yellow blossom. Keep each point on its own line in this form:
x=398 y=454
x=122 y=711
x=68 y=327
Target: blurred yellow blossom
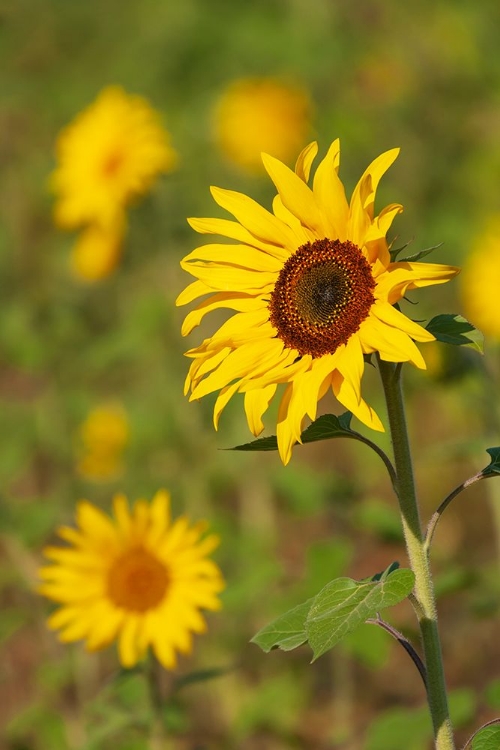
x=103 y=437
x=262 y=114
x=139 y=578
x=97 y=250
x=111 y=152
x=481 y=280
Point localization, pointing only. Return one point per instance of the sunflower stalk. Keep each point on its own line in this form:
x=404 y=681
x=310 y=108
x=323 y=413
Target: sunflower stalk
x=158 y=730
x=415 y=543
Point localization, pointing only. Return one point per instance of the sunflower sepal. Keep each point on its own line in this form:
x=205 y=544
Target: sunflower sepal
x=340 y=608
x=416 y=256
x=456 y=330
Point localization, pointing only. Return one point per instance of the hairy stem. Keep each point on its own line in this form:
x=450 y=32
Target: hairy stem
x=419 y=561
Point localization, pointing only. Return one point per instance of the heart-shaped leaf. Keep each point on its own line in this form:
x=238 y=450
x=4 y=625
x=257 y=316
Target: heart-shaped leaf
x=325 y=427
x=344 y=604
x=456 y=330
x=487 y=738
x=287 y=631
x=494 y=466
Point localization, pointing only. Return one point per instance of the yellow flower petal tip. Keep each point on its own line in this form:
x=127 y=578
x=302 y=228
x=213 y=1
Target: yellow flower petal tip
x=311 y=286
x=97 y=252
x=136 y=579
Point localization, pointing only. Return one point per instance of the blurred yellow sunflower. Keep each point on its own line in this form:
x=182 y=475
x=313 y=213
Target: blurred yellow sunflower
x=97 y=251
x=111 y=152
x=261 y=114
x=139 y=579
x=481 y=280
x=103 y=436
x=313 y=288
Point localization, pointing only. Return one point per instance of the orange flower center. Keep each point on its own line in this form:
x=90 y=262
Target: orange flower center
x=137 y=581
x=112 y=164
x=323 y=293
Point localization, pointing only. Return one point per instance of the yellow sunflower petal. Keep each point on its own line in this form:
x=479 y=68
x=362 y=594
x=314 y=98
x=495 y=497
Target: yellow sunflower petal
x=127 y=642
x=305 y=160
x=330 y=194
x=392 y=345
x=388 y=314
x=234 y=255
x=402 y=277
x=256 y=219
x=225 y=395
x=256 y=404
x=235 y=231
x=191 y=292
x=295 y=194
x=237 y=301
x=347 y=396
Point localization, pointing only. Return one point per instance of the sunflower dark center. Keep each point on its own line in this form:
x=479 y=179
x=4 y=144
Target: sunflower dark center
x=323 y=293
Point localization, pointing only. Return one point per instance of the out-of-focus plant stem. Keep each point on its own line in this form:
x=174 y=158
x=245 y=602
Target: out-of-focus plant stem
x=419 y=561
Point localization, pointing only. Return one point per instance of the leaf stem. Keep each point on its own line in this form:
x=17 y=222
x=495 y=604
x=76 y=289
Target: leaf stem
x=405 y=643
x=157 y=739
x=439 y=512
x=424 y=590
x=387 y=461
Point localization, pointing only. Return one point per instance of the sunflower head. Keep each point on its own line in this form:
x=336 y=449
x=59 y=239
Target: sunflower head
x=261 y=114
x=111 y=152
x=481 y=280
x=139 y=578
x=312 y=288
x=102 y=439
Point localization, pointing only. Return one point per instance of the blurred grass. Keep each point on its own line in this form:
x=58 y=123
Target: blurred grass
x=424 y=77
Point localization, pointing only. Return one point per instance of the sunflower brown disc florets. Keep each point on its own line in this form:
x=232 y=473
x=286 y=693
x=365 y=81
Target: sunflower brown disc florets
x=323 y=293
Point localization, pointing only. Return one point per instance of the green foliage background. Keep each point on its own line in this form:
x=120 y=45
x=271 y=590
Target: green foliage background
x=423 y=76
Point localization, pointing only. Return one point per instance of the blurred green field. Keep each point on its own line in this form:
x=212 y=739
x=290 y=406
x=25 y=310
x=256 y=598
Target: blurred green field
x=425 y=78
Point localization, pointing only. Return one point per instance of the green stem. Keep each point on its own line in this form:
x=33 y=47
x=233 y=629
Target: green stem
x=419 y=561
x=157 y=738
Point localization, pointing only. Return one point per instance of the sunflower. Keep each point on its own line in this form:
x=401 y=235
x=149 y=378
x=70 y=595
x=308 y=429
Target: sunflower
x=139 y=579
x=313 y=289
x=103 y=437
x=261 y=114
x=110 y=153
x=481 y=280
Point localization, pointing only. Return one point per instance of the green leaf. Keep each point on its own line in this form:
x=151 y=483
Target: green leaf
x=456 y=330
x=420 y=254
x=262 y=444
x=494 y=466
x=325 y=427
x=344 y=604
x=287 y=631
x=488 y=738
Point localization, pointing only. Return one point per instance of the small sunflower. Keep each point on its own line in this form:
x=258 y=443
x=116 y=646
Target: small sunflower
x=481 y=280
x=111 y=152
x=312 y=286
x=138 y=578
x=102 y=439
x=261 y=114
